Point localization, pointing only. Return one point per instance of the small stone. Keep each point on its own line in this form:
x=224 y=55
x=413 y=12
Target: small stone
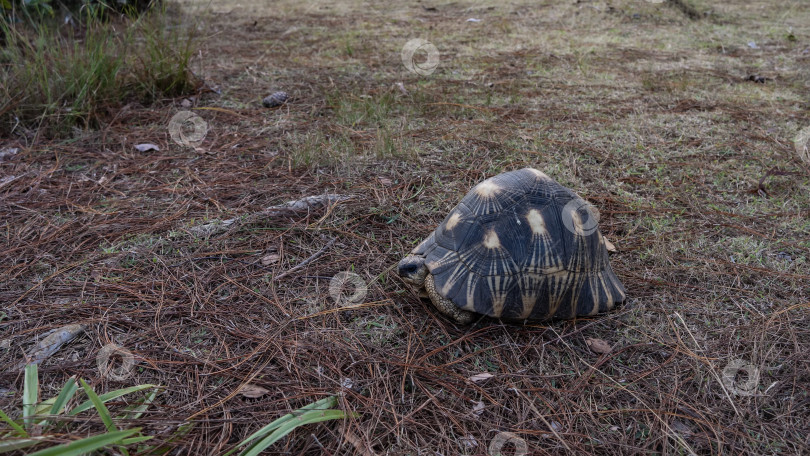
x=270 y=259
x=275 y=100
x=598 y=346
x=468 y=442
x=146 y=147
x=401 y=87
x=478 y=408
x=347 y=383
x=8 y=152
x=253 y=391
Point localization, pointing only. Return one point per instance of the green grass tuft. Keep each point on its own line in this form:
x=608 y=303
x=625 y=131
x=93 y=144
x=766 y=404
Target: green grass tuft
x=54 y=79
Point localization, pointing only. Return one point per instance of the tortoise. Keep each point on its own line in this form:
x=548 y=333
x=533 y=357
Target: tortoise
x=519 y=246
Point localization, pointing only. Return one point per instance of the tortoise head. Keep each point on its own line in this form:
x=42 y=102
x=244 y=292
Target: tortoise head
x=412 y=270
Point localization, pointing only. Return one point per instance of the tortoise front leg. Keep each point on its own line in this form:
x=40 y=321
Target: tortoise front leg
x=445 y=305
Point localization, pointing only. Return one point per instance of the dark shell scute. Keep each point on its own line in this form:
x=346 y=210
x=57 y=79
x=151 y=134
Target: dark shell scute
x=456 y=227
x=481 y=256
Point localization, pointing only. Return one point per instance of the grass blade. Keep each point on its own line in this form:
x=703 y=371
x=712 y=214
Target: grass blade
x=321 y=404
x=136 y=412
x=87 y=445
x=314 y=416
x=13 y=425
x=108 y=396
x=64 y=396
x=30 y=392
x=99 y=405
x=169 y=444
x=11 y=445
x=43 y=407
x=132 y=440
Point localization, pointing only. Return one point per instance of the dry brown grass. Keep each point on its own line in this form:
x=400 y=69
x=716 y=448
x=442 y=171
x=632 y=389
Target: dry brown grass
x=643 y=110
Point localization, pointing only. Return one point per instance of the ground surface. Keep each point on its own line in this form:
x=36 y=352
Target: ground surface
x=644 y=109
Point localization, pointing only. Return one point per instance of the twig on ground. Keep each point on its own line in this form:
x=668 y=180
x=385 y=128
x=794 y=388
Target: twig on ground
x=312 y=258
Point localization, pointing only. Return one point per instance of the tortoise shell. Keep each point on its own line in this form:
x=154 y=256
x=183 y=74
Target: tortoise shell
x=521 y=246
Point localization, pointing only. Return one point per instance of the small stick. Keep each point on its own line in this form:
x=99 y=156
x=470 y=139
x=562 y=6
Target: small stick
x=314 y=257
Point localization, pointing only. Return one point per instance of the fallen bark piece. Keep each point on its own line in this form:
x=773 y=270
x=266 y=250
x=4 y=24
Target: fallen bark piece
x=290 y=207
x=52 y=343
x=306 y=203
x=215 y=227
